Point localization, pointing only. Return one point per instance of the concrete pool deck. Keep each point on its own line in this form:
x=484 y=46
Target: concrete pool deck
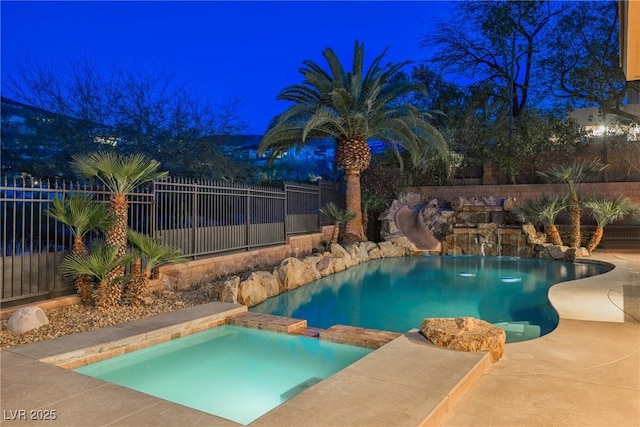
x=586 y=372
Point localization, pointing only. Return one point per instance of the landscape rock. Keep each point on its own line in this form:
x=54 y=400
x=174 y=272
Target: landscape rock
x=582 y=252
x=375 y=253
x=293 y=273
x=389 y=250
x=338 y=251
x=465 y=334
x=229 y=290
x=325 y=266
x=251 y=291
x=533 y=237
x=26 y=319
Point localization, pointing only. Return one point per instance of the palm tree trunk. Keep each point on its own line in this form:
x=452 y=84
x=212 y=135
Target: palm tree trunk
x=116 y=235
x=83 y=283
x=132 y=288
x=84 y=289
x=335 y=234
x=553 y=234
x=353 y=230
x=102 y=299
x=595 y=238
x=574 y=222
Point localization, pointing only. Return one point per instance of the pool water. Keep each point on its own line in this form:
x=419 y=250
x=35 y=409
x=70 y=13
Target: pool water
x=230 y=371
x=396 y=294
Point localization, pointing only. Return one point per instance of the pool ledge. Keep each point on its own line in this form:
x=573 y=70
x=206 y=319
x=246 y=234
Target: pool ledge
x=94 y=346
x=407 y=382
x=598 y=298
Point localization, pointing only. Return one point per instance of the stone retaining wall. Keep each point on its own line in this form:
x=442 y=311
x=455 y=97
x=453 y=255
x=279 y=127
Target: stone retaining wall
x=522 y=192
x=174 y=276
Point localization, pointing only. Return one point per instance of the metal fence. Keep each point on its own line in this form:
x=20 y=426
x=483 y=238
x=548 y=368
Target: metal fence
x=199 y=218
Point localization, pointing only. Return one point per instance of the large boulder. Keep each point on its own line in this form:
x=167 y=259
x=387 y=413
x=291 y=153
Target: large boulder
x=229 y=290
x=338 y=251
x=533 y=236
x=466 y=334
x=325 y=266
x=293 y=273
x=26 y=319
x=389 y=250
x=251 y=291
x=549 y=251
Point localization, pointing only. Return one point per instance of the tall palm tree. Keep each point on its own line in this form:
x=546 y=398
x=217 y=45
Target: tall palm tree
x=98 y=262
x=572 y=176
x=352 y=107
x=120 y=175
x=545 y=212
x=338 y=217
x=606 y=211
x=81 y=214
x=154 y=253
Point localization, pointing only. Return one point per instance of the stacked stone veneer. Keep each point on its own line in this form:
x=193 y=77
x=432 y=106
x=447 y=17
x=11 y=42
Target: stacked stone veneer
x=174 y=276
x=293 y=273
x=468 y=228
x=521 y=192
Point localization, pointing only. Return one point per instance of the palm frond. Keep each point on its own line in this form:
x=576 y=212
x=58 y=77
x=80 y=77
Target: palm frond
x=573 y=174
x=120 y=174
x=81 y=214
x=153 y=250
x=336 y=215
x=606 y=211
x=98 y=262
x=545 y=210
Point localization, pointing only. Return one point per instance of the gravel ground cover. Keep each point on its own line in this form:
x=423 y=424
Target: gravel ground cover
x=78 y=318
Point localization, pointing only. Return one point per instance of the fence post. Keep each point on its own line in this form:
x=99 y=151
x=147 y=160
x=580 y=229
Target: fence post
x=194 y=217
x=286 y=204
x=248 y=219
x=319 y=204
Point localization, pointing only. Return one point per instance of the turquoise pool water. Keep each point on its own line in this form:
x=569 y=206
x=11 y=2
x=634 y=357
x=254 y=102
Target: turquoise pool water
x=395 y=294
x=233 y=372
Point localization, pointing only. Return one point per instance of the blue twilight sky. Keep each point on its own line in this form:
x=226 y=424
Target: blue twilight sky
x=245 y=49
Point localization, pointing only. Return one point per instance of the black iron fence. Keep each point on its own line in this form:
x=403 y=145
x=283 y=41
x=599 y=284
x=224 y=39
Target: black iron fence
x=199 y=218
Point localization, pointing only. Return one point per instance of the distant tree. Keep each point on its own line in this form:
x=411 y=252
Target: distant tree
x=352 y=107
x=536 y=136
x=497 y=41
x=581 y=64
x=129 y=111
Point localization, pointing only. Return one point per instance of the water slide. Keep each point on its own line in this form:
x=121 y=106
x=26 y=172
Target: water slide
x=413 y=227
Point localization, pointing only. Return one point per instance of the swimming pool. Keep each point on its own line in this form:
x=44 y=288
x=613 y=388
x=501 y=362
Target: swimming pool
x=395 y=294
x=230 y=371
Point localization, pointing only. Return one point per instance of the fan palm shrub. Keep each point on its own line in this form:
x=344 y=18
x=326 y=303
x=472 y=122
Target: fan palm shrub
x=545 y=212
x=82 y=215
x=98 y=262
x=352 y=107
x=572 y=176
x=154 y=253
x=606 y=211
x=338 y=217
x=120 y=175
